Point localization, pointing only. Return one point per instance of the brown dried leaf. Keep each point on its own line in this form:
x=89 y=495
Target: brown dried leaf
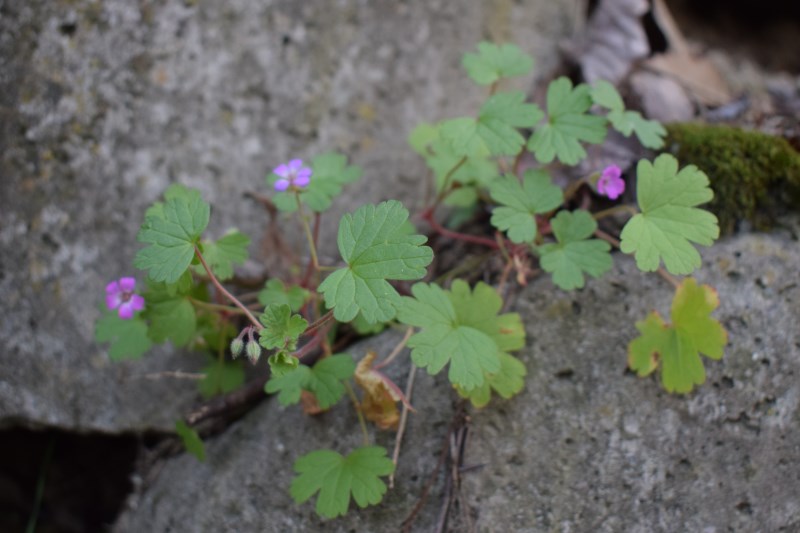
x=380 y=395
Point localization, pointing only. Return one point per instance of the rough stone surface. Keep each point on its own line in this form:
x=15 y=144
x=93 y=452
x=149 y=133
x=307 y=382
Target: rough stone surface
x=106 y=103
x=586 y=446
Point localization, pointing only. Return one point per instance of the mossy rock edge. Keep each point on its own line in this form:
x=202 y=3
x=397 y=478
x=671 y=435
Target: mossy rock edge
x=755 y=176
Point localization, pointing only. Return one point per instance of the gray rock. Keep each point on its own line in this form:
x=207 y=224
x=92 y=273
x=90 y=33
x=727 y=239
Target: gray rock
x=106 y=103
x=585 y=447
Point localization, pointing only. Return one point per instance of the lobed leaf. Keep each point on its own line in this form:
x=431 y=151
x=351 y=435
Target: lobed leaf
x=128 y=338
x=521 y=202
x=275 y=292
x=223 y=253
x=281 y=327
x=376 y=247
x=568 y=124
x=337 y=479
x=324 y=381
x=493 y=62
x=669 y=221
x=574 y=253
x=677 y=347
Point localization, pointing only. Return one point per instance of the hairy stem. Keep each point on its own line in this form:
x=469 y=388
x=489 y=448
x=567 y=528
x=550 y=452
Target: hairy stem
x=357 y=406
x=235 y=301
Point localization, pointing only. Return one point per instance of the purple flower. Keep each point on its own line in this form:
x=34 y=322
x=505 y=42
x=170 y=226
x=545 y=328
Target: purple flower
x=120 y=295
x=292 y=174
x=610 y=183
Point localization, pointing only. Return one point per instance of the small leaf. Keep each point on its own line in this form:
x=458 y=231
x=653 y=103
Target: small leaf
x=128 y=338
x=650 y=132
x=171 y=238
x=507 y=382
x=376 y=248
x=336 y=478
x=568 y=124
x=669 y=221
x=329 y=173
x=324 y=380
x=281 y=363
x=281 y=327
x=275 y=292
x=221 y=255
x=521 y=203
x=379 y=404
x=493 y=62
x=575 y=253
x=221 y=377
x=677 y=347
x=191 y=440
x=494 y=132
x=461 y=328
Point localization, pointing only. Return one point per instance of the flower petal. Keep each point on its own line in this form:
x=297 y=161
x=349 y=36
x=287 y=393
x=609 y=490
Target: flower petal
x=282 y=171
x=281 y=184
x=302 y=181
x=113 y=301
x=295 y=165
x=126 y=310
x=127 y=284
x=137 y=302
x=304 y=172
x=112 y=288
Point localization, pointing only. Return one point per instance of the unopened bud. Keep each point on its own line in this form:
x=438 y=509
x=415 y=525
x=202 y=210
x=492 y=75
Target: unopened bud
x=253 y=351
x=236 y=347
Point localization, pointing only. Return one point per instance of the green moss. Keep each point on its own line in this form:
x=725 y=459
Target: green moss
x=754 y=176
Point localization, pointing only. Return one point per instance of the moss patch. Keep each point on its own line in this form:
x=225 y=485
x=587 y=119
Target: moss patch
x=754 y=176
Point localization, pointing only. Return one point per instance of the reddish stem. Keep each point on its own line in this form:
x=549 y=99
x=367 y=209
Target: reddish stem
x=235 y=301
x=428 y=216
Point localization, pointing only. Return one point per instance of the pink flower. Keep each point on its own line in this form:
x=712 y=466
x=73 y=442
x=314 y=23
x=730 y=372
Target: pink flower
x=292 y=174
x=610 y=183
x=120 y=295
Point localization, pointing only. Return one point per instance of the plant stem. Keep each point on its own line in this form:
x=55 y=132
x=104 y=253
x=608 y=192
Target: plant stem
x=459 y=236
x=307 y=230
x=396 y=351
x=319 y=322
x=357 y=407
x=224 y=291
x=623 y=208
x=446 y=185
x=215 y=307
x=37 y=501
x=615 y=242
x=573 y=187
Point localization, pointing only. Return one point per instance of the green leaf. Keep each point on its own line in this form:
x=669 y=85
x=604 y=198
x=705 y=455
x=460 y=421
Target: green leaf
x=128 y=338
x=376 y=248
x=191 y=440
x=494 y=132
x=171 y=318
x=282 y=328
x=171 y=238
x=507 y=382
x=568 y=124
x=363 y=327
x=493 y=62
x=324 y=381
x=677 y=347
x=650 y=132
x=221 y=377
x=281 y=363
x=574 y=253
x=336 y=478
x=221 y=255
x=329 y=173
x=275 y=292
x=521 y=202
x=669 y=221
x=459 y=327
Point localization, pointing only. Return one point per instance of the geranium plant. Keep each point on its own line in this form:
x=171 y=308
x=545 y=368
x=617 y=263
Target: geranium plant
x=475 y=164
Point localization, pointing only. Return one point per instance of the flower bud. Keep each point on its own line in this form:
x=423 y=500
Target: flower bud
x=237 y=345
x=253 y=351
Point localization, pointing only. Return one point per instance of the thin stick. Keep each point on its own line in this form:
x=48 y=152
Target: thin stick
x=401 y=429
x=235 y=301
x=396 y=351
x=623 y=208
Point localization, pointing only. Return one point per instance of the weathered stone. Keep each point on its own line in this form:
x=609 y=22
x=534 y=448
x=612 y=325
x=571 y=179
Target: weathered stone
x=106 y=103
x=586 y=446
